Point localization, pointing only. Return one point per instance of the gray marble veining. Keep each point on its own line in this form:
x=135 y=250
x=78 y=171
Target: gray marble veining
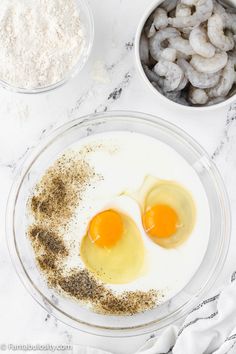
x=26 y=120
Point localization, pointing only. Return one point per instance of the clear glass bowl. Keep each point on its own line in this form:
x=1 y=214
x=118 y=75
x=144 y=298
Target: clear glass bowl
x=88 y=23
x=70 y=311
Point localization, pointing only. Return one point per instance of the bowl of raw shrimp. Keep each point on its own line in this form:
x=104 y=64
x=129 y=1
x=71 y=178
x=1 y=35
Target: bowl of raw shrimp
x=186 y=52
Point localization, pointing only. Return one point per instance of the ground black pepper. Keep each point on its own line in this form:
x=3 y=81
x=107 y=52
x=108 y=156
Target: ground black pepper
x=53 y=203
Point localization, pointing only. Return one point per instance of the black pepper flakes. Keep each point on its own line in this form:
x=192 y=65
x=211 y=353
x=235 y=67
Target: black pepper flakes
x=55 y=199
x=49 y=240
x=83 y=286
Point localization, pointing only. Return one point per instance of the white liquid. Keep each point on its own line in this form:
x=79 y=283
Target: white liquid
x=124 y=160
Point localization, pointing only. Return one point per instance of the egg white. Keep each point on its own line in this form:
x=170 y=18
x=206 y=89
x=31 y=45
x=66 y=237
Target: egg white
x=124 y=159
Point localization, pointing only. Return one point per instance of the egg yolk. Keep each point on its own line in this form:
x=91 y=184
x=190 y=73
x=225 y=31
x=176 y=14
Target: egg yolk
x=160 y=221
x=106 y=228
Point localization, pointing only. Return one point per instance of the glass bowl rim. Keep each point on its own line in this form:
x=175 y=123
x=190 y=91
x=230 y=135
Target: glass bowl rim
x=154 y=325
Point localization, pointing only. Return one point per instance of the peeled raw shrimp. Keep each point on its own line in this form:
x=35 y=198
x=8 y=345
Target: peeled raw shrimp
x=186 y=32
x=182 y=45
x=215 y=30
x=220 y=10
x=144 y=49
x=172 y=73
x=186 y=57
x=200 y=80
x=232 y=23
x=198 y=96
x=180 y=55
x=189 y=2
x=158 y=85
x=215 y=101
x=226 y=81
x=229 y=19
x=169 y=5
x=182 y=10
x=155 y=42
x=172 y=13
x=156 y=80
x=169 y=54
x=233 y=56
x=176 y=97
x=203 y=11
x=151 y=75
x=182 y=84
x=160 y=21
x=160 y=18
x=200 y=44
x=149 y=29
x=209 y=65
x=173 y=95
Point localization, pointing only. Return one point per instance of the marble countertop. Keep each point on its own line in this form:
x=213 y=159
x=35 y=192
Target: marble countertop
x=110 y=81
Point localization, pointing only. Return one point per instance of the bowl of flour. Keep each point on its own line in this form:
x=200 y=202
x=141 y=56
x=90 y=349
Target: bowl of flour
x=43 y=43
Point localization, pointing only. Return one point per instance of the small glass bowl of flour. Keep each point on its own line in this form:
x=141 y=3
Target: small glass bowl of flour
x=43 y=43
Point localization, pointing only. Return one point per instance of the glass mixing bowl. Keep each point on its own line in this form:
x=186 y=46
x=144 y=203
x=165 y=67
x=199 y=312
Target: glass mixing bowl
x=88 y=24
x=70 y=311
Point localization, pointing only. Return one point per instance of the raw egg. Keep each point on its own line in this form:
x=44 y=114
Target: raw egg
x=168 y=211
x=113 y=248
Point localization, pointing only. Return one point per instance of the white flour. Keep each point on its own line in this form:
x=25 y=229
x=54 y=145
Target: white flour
x=40 y=41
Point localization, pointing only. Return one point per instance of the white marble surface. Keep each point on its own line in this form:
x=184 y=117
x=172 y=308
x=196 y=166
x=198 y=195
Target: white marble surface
x=25 y=120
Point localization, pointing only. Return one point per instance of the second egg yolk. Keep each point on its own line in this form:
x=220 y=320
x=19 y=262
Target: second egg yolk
x=160 y=221
x=106 y=228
